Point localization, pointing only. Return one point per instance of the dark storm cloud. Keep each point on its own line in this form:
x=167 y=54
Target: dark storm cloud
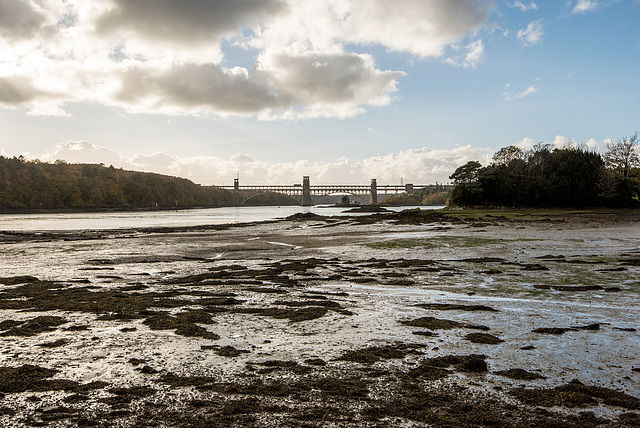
x=186 y=20
x=19 y=19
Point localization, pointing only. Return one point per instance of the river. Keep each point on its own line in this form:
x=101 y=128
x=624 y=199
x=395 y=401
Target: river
x=137 y=219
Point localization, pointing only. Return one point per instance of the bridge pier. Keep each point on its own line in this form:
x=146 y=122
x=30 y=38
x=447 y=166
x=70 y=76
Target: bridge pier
x=408 y=188
x=373 y=196
x=306 y=192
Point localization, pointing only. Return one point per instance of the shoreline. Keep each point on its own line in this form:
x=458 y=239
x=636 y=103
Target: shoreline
x=406 y=319
x=87 y=210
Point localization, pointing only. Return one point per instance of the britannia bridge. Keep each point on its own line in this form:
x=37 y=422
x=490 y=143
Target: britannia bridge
x=307 y=193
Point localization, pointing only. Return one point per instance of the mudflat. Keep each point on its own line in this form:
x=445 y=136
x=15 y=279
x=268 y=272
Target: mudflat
x=399 y=319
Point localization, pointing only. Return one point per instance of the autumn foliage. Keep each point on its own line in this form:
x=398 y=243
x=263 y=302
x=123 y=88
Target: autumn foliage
x=39 y=185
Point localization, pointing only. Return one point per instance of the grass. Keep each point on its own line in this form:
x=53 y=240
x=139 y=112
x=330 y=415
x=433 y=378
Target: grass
x=511 y=213
x=529 y=213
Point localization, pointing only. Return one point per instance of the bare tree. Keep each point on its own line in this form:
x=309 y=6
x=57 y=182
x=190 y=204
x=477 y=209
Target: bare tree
x=623 y=155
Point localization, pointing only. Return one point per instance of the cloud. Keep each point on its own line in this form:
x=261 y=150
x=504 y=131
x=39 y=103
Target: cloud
x=330 y=85
x=194 y=21
x=421 y=166
x=584 y=6
x=474 y=55
x=530 y=90
x=168 y=56
x=17 y=90
x=532 y=34
x=327 y=85
x=476 y=51
x=84 y=152
x=562 y=142
x=523 y=7
x=415 y=26
x=418 y=166
x=19 y=19
x=195 y=87
x=508 y=96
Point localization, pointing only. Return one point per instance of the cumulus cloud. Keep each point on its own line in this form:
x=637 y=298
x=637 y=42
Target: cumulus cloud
x=19 y=19
x=419 y=166
x=422 y=28
x=532 y=34
x=562 y=142
x=423 y=166
x=195 y=86
x=584 y=6
x=84 y=152
x=330 y=84
x=17 y=90
x=327 y=85
x=168 y=56
x=194 y=21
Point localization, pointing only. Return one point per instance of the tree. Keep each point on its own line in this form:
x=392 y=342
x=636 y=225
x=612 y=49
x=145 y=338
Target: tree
x=570 y=177
x=467 y=191
x=506 y=155
x=623 y=155
x=467 y=173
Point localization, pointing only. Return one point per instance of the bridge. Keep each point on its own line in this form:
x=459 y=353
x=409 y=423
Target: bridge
x=307 y=193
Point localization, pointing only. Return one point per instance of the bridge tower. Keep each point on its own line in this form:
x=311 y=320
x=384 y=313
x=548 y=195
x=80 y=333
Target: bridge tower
x=373 y=197
x=236 y=185
x=408 y=188
x=306 y=192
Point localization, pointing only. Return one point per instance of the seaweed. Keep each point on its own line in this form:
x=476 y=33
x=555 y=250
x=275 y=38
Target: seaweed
x=35 y=326
x=473 y=363
x=373 y=354
x=35 y=378
x=440 y=324
x=484 y=338
x=576 y=394
x=455 y=307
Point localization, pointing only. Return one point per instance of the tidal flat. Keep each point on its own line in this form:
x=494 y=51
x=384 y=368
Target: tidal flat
x=408 y=319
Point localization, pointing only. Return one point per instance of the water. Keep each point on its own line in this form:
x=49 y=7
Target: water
x=138 y=219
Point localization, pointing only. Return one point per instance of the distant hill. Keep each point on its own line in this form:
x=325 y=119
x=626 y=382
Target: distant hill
x=26 y=185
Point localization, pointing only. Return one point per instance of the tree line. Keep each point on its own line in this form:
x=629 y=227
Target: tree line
x=40 y=185
x=439 y=194
x=558 y=177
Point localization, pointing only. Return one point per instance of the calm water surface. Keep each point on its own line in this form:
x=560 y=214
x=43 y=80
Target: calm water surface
x=120 y=220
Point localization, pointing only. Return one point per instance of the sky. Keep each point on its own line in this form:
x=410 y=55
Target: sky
x=340 y=90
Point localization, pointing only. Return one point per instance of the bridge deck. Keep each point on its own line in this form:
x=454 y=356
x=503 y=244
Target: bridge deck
x=328 y=188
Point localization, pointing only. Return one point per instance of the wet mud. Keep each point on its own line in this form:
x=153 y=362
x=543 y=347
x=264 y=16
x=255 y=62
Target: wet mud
x=316 y=321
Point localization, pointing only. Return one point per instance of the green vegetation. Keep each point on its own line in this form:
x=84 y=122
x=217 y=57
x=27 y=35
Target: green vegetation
x=541 y=177
x=519 y=214
x=38 y=185
x=434 y=242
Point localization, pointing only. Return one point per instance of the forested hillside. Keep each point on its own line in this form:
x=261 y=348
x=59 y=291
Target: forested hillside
x=38 y=185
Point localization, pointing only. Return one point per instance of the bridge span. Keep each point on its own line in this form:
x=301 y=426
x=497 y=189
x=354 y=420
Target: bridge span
x=307 y=193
